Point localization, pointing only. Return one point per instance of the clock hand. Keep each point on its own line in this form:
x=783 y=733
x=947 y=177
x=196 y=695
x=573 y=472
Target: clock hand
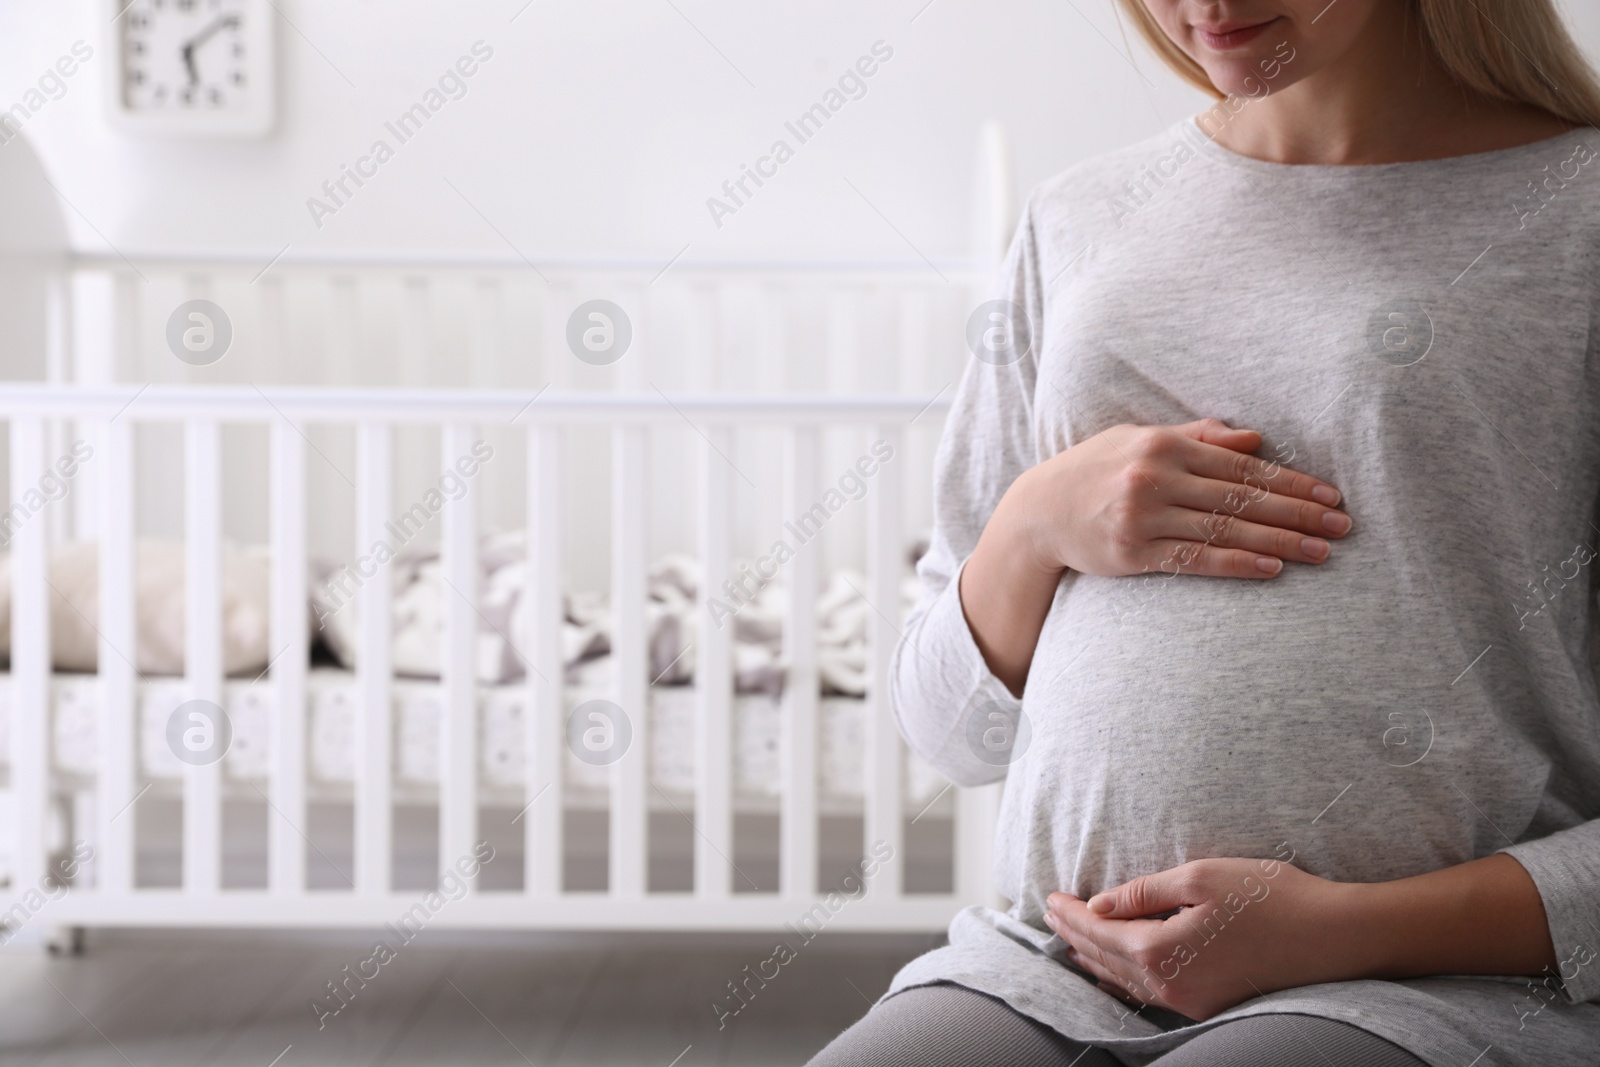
x=230 y=21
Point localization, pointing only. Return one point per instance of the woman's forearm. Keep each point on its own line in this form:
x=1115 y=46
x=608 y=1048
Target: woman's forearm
x=1480 y=917
x=1006 y=590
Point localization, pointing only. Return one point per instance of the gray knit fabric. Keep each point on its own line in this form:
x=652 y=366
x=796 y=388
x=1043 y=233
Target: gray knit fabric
x=1417 y=334
x=950 y=1026
x=1287 y=1041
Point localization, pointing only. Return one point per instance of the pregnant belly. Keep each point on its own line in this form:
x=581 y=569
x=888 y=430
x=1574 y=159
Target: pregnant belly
x=1313 y=715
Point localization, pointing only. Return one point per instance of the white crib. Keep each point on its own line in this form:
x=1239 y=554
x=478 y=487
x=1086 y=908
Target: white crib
x=669 y=440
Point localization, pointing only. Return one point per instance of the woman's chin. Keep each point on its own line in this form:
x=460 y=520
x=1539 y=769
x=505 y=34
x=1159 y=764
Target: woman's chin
x=1236 y=78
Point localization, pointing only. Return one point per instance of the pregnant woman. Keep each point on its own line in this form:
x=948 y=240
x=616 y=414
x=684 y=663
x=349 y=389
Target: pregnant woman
x=1264 y=569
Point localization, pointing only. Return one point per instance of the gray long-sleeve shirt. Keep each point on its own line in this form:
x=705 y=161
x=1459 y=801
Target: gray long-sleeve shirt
x=1420 y=336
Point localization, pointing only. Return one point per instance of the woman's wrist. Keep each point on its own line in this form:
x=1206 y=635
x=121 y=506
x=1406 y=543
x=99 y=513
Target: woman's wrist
x=1480 y=917
x=1015 y=520
x=1356 y=938
x=1006 y=588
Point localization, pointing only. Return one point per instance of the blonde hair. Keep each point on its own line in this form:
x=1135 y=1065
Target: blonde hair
x=1515 y=50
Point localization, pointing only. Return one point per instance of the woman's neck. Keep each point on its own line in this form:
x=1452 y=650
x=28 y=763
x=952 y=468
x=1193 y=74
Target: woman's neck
x=1389 y=100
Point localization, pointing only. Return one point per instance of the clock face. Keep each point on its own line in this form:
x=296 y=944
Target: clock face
x=187 y=56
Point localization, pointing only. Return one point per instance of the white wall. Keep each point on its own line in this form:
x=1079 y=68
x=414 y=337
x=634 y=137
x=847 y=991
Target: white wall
x=601 y=128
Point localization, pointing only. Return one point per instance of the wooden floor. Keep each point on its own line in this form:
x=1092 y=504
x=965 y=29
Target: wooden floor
x=185 y=999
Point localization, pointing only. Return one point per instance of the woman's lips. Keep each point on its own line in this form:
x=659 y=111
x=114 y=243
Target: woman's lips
x=1222 y=38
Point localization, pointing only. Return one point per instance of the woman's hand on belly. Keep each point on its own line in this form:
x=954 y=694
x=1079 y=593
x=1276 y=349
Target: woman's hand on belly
x=1241 y=928
x=1136 y=499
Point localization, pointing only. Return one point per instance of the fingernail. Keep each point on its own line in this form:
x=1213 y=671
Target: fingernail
x=1314 y=548
x=1102 y=904
x=1050 y=920
x=1268 y=564
x=1323 y=494
x=1336 y=522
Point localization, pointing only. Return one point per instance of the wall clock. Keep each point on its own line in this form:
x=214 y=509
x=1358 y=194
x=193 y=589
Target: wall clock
x=200 y=67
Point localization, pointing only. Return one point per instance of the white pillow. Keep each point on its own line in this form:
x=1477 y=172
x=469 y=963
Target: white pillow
x=159 y=592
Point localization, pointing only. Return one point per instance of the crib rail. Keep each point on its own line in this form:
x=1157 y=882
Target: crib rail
x=334 y=405
x=543 y=420
x=419 y=320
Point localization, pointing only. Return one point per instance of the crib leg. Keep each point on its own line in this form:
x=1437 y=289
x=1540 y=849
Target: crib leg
x=64 y=940
x=56 y=940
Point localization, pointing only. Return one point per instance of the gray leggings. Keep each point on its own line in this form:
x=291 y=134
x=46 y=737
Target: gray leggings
x=950 y=1026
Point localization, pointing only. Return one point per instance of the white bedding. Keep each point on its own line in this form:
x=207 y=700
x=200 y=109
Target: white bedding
x=333 y=707
x=672 y=609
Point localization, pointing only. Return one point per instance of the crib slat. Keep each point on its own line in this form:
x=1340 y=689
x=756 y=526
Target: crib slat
x=91 y=333
x=713 y=811
x=702 y=342
x=543 y=720
x=202 y=793
x=774 y=368
x=916 y=340
x=286 y=872
x=94 y=325
x=798 y=829
x=844 y=338
x=632 y=372
x=64 y=521
x=485 y=330
x=30 y=655
x=118 y=647
x=883 y=822
x=556 y=302
x=458 y=748
x=416 y=330
x=629 y=784
x=374 y=813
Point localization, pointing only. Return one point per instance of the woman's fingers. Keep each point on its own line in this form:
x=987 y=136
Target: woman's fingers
x=1217 y=432
x=1174 y=556
x=1233 y=531
x=1240 y=469
x=1189 y=498
x=1211 y=496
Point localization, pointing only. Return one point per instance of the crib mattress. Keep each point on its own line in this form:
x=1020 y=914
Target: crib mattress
x=333 y=705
